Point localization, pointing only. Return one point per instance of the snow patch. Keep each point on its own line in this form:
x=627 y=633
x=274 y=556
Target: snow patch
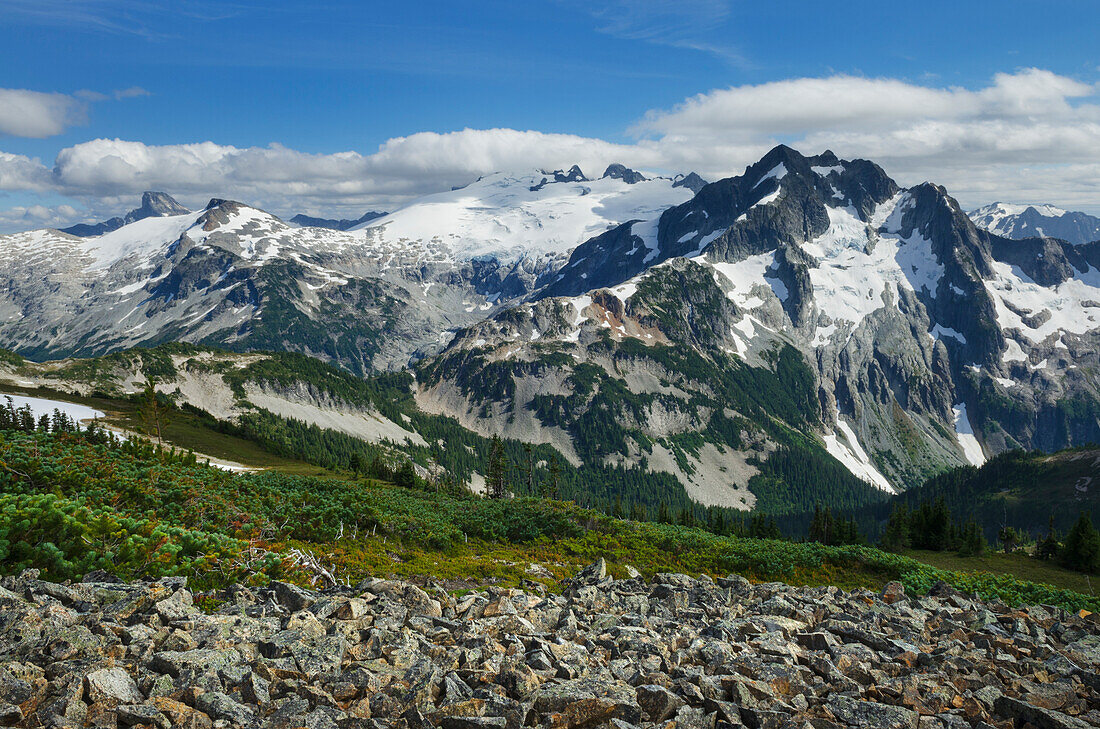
x=847 y=450
x=972 y=449
x=41 y=406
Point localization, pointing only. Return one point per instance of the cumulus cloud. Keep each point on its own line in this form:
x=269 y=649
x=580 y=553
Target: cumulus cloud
x=401 y=168
x=36 y=114
x=1028 y=136
x=24 y=217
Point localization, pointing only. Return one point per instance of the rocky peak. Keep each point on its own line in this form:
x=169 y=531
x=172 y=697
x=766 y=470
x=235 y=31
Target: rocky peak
x=153 y=205
x=691 y=181
x=156 y=204
x=573 y=175
x=617 y=171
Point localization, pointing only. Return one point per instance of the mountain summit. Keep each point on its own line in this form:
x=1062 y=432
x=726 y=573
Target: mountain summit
x=153 y=205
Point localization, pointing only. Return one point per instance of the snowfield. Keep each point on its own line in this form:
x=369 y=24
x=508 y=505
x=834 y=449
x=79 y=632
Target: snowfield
x=41 y=406
x=500 y=213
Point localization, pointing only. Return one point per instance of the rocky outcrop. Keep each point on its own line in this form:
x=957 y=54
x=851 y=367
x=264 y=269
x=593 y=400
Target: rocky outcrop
x=672 y=652
x=621 y=172
x=691 y=181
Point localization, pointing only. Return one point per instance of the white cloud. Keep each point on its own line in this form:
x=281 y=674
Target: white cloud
x=284 y=178
x=36 y=114
x=38 y=216
x=20 y=173
x=1027 y=136
x=1030 y=135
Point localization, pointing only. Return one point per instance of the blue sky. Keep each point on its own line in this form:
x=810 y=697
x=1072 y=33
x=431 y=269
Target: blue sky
x=596 y=79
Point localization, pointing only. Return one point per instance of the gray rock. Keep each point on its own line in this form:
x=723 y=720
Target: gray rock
x=871 y=715
x=113 y=686
x=657 y=702
x=221 y=706
x=1023 y=712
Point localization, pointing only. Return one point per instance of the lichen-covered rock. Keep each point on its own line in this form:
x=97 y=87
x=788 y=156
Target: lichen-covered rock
x=677 y=653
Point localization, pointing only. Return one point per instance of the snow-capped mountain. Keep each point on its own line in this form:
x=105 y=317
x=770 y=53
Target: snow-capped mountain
x=879 y=321
x=369 y=298
x=535 y=215
x=1044 y=221
x=153 y=205
x=736 y=336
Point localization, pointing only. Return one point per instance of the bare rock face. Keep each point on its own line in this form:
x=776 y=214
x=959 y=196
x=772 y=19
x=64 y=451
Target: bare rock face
x=671 y=652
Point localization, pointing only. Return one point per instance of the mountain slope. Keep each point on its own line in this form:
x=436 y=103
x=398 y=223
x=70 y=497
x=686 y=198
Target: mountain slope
x=1027 y=221
x=237 y=276
x=927 y=341
x=806 y=330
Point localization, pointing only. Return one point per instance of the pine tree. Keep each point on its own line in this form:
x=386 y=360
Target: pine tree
x=664 y=515
x=529 y=468
x=1009 y=538
x=495 y=473
x=895 y=538
x=552 y=487
x=405 y=477
x=818 y=529
x=1081 y=550
x=972 y=541
x=1048 y=547
x=154 y=415
x=717 y=521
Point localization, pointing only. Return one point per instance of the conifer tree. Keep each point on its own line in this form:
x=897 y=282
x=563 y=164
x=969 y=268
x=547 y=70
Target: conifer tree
x=495 y=472
x=664 y=515
x=1081 y=550
x=405 y=477
x=1048 y=547
x=895 y=537
x=154 y=415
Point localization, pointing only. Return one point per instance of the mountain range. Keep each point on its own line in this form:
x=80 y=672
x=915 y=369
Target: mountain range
x=1042 y=221
x=342 y=224
x=807 y=329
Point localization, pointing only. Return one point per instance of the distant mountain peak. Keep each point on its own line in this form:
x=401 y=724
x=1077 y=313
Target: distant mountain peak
x=617 y=171
x=153 y=205
x=159 y=204
x=573 y=175
x=308 y=221
x=691 y=181
x=1041 y=220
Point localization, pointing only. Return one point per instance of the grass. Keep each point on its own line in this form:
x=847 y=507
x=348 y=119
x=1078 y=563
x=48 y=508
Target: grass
x=1016 y=565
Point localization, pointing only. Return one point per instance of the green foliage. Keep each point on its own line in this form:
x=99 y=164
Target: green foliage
x=1081 y=550
x=70 y=503
x=9 y=357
